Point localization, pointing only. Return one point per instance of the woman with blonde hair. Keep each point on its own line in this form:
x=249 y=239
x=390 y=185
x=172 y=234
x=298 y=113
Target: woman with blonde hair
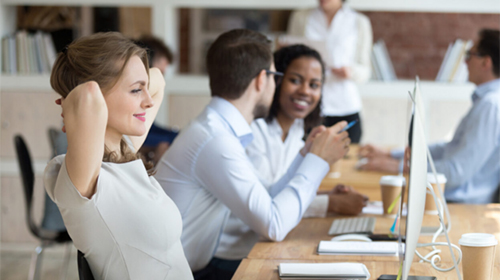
x=115 y=212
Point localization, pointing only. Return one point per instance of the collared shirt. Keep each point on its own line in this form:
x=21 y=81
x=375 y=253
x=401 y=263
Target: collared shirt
x=471 y=160
x=271 y=157
x=348 y=40
x=208 y=175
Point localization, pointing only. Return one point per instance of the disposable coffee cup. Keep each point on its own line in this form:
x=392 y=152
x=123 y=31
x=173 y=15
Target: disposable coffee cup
x=430 y=205
x=335 y=169
x=391 y=187
x=478 y=255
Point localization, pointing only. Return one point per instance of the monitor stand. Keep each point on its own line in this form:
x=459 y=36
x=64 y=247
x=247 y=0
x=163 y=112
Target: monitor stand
x=430 y=230
x=395 y=277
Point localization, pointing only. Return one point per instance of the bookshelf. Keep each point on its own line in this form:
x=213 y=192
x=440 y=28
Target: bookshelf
x=165 y=19
x=35 y=97
x=165 y=25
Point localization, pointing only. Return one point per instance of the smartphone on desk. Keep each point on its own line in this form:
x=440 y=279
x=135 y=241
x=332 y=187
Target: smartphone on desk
x=383 y=237
x=394 y=277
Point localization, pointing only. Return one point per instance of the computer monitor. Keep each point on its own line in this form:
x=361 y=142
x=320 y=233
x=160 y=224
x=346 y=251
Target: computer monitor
x=416 y=184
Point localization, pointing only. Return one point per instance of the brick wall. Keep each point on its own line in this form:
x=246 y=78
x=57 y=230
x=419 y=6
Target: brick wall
x=417 y=42
x=183 y=55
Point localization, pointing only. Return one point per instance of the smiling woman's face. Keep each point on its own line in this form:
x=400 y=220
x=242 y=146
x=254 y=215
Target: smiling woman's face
x=301 y=88
x=128 y=100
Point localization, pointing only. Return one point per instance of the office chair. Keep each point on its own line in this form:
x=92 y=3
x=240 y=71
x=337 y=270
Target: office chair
x=84 y=271
x=46 y=236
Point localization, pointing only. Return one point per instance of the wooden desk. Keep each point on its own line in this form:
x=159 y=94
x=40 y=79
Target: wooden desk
x=366 y=182
x=267 y=269
x=301 y=243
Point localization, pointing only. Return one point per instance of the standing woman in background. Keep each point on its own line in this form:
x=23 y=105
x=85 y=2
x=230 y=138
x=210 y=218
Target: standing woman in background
x=116 y=213
x=348 y=38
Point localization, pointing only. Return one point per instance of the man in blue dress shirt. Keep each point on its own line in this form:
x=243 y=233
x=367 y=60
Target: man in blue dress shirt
x=471 y=160
x=206 y=171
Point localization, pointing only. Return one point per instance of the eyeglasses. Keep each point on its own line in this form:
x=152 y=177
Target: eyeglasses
x=278 y=76
x=469 y=54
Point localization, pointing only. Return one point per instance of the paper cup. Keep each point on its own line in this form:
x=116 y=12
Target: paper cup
x=430 y=205
x=478 y=255
x=391 y=187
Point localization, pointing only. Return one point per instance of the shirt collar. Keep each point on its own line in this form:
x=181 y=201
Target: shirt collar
x=234 y=119
x=485 y=88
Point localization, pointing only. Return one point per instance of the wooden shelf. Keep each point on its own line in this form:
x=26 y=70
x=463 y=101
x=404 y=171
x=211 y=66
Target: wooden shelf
x=453 y=6
x=13 y=83
x=199 y=85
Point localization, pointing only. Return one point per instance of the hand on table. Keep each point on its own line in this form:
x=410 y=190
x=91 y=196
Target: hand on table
x=381 y=164
x=371 y=151
x=346 y=201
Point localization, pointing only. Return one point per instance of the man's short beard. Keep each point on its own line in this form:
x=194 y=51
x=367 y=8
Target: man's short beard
x=260 y=111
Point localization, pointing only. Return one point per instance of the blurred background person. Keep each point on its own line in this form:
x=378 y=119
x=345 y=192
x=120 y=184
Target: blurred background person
x=159 y=138
x=471 y=160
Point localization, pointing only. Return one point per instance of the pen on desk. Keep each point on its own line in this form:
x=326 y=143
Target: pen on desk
x=349 y=125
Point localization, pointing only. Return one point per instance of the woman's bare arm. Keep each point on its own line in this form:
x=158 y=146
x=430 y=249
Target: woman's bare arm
x=85 y=119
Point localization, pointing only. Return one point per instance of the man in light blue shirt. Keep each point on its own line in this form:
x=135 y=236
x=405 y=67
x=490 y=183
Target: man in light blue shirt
x=206 y=171
x=471 y=160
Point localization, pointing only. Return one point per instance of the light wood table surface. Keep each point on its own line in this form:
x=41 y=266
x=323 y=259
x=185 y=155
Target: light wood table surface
x=301 y=243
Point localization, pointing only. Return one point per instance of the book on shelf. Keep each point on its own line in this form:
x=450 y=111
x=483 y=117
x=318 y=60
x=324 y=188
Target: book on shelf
x=381 y=62
x=28 y=53
x=5 y=55
x=453 y=68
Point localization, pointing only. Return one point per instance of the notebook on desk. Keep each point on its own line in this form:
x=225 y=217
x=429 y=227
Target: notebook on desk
x=358 y=248
x=298 y=271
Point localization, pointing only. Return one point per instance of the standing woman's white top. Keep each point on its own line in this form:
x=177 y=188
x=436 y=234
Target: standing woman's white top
x=116 y=214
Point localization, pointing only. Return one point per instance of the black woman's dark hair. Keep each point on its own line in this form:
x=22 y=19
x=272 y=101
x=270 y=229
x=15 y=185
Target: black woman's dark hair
x=282 y=59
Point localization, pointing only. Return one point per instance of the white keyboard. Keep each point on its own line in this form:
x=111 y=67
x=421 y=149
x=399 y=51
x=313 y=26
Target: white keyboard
x=358 y=248
x=351 y=271
x=362 y=225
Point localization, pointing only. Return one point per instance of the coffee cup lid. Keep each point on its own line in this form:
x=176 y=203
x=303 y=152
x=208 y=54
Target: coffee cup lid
x=478 y=240
x=432 y=179
x=390 y=180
